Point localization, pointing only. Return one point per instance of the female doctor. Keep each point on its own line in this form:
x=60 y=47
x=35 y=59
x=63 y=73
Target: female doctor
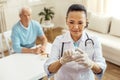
x=76 y=55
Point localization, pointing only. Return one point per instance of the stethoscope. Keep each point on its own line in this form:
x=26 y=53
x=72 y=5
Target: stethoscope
x=89 y=43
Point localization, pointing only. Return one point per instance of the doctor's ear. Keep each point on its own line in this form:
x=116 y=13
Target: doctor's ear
x=86 y=23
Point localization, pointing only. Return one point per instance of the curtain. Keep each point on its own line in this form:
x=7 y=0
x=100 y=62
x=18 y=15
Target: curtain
x=98 y=6
x=84 y=2
x=3 y=26
x=108 y=7
x=113 y=8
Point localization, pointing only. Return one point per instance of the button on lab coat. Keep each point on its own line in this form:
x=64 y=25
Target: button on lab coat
x=72 y=70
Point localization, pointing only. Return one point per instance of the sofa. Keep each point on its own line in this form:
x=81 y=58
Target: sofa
x=107 y=28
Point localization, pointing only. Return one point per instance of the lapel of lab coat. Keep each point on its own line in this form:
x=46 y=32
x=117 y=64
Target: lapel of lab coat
x=68 y=40
x=82 y=41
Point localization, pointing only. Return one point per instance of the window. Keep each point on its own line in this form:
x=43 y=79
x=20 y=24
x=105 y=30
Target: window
x=113 y=8
x=36 y=2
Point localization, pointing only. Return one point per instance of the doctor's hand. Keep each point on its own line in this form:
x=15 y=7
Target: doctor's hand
x=67 y=57
x=82 y=58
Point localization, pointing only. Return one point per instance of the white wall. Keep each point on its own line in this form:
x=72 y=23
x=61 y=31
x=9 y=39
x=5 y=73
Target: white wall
x=92 y=6
x=11 y=11
x=60 y=8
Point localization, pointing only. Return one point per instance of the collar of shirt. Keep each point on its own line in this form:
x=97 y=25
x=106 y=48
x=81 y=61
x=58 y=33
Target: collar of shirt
x=26 y=28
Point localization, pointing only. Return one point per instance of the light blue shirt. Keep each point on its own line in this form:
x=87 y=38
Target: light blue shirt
x=76 y=44
x=25 y=37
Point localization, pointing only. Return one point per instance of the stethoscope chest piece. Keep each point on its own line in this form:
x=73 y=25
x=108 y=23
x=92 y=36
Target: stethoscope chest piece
x=89 y=45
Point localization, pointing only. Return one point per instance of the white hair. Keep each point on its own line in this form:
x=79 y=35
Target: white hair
x=25 y=8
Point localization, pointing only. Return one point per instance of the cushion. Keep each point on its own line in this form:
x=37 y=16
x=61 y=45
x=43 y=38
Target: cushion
x=99 y=23
x=106 y=39
x=115 y=27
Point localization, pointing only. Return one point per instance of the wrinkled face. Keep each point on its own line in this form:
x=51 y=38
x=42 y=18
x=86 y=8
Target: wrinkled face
x=76 y=21
x=25 y=16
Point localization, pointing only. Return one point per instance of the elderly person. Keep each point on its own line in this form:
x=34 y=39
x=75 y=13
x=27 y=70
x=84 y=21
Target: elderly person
x=76 y=55
x=25 y=33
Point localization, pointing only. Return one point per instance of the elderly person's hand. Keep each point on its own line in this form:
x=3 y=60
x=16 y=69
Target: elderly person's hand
x=82 y=58
x=67 y=57
x=37 y=50
x=42 y=48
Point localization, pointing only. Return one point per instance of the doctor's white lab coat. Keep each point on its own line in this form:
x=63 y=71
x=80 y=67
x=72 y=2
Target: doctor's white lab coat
x=73 y=70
